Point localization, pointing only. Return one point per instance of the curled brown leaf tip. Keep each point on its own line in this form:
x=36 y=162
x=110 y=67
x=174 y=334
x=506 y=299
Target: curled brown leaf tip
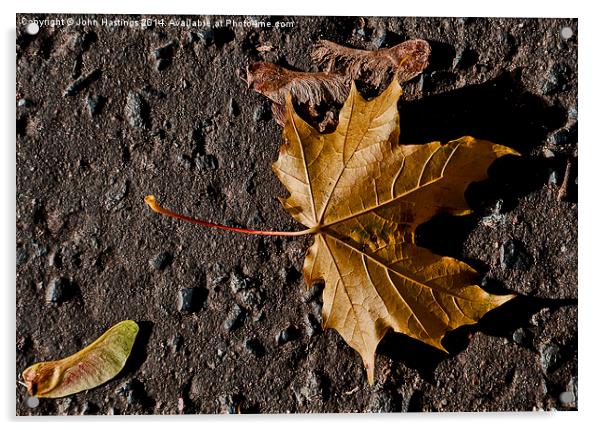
x=408 y=59
x=276 y=82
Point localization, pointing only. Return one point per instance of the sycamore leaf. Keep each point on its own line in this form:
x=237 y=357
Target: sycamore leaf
x=92 y=366
x=408 y=59
x=363 y=195
x=276 y=82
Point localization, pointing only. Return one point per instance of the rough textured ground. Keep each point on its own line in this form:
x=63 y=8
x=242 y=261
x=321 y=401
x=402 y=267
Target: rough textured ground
x=104 y=119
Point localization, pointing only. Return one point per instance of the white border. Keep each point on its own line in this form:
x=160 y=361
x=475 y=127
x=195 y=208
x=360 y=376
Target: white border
x=590 y=396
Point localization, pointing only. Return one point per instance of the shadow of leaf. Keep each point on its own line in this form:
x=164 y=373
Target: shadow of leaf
x=138 y=355
x=503 y=112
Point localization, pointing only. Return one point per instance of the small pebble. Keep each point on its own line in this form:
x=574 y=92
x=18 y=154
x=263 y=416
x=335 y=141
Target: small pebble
x=235 y=318
x=540 y=317
x=521 y=336
x=207 y=36
x=316 y=309
x=161 y=260
x=206 y=162
x=255 y=219
x=88 y=408
x=288 y=334
x=65 y=405
x=198 y=387
x=259 y=316
x=572 y=386
x=94 y=105
x=230 y=404
x=314 y=293
x=116 y=194
x=233 y=109
x=188 y=300
x=24 y=103
x=262 y=113
x=40 y=250
x=422 y=83
x=564 y=136
x=508 y=44
x=175 y=343
x=238 y=282
x=21 y=256
x=251 y=298
x=548 y=154
x=254 y=347
x=483 y=68
x=161 y=65
x=379 y=38
x=553 y=179
x=556 y=79
x=133 y=391
x=192 y=37
x=218 y=275
x=464 y=58
x=185 y=161
x=549 y=356
x=164 y=52
x=312 y=326
x=499 y=207
x=313 y=389
x=82 y=82
x=566 y=397
x=513 y=255
x=136 y=111
x=59 y=290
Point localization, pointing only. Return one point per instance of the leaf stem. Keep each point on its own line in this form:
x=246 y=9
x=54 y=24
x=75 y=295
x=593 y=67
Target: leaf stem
x=152 y=203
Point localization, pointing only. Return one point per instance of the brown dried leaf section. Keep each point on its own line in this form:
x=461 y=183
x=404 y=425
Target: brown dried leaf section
x=276 y=82
x=408 y=59
x=343 y=64
x=363 y=195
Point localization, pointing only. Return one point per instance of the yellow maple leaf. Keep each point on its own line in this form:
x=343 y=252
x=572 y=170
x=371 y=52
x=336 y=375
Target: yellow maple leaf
x=363 y=194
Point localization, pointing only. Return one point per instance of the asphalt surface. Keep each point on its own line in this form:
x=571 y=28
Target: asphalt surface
x=107 y=114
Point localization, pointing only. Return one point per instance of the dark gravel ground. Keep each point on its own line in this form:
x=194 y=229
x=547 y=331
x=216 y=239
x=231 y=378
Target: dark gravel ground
x=108 y=115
